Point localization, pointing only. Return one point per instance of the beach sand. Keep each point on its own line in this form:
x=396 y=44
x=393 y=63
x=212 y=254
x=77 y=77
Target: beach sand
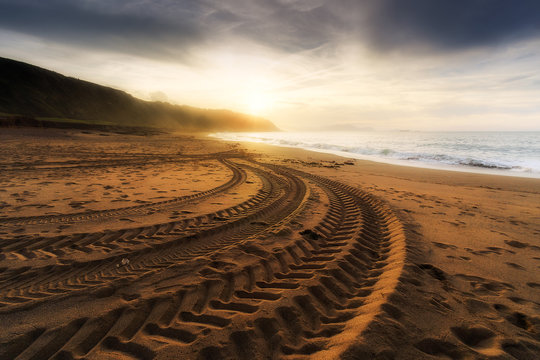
x=184 y=247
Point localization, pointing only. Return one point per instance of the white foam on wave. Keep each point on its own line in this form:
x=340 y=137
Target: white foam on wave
x=516 y=154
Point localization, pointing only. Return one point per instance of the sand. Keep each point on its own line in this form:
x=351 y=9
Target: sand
x=183 y=247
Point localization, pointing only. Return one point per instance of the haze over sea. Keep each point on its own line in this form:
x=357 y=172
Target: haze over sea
x=503 y=153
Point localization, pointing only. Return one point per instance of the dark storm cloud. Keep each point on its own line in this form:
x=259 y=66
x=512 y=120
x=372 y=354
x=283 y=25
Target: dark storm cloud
x=165 y=28
x=451 y=24
x=132 y=29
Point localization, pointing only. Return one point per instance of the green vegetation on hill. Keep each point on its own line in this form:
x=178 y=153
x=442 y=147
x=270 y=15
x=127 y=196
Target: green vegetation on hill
x=32 y=91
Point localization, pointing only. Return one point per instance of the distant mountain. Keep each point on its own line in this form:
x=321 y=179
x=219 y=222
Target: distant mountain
x=28 y=90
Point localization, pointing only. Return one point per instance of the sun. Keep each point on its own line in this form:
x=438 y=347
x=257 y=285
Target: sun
x=258 y=103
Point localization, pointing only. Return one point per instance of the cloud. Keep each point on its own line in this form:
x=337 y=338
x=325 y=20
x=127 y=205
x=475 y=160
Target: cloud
x=451 y=25
x=139 y=29
x=386 y=63
x=171 y=29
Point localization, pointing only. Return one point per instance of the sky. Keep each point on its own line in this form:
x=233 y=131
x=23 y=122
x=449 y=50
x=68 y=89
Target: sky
x=303 y=64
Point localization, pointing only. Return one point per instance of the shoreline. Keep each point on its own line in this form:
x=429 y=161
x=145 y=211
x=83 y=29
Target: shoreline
x=449 y=175
x=400 y=162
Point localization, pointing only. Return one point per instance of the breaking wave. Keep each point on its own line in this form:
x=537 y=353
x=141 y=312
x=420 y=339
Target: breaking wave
x=516 y=153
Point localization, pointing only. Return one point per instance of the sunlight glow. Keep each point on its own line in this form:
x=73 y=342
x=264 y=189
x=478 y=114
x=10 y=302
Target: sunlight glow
x=258 y=103
x=344 y=84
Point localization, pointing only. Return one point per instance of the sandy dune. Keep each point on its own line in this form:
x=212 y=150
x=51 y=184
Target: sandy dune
x=168 y=247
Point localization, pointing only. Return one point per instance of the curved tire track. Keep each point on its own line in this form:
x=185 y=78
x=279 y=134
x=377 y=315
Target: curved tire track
x=193 y=237
x=237 y=178
x=307 y=299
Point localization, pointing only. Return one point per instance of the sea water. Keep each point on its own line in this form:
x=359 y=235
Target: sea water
x=504 y=153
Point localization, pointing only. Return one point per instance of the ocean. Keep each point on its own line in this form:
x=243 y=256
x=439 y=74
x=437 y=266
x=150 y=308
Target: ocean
x=502 y=153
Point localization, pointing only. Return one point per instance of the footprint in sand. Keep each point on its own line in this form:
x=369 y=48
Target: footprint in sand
x=523 y=321
x=439 y=347
x=515 y=266
x=521 y=349
x=516 y=244
x=444 y=246
x=478 y=337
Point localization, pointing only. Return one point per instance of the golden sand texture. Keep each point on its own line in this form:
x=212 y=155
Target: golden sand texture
x=180 y=247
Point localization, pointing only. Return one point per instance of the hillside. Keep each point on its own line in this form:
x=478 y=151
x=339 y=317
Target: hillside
x=28 y=90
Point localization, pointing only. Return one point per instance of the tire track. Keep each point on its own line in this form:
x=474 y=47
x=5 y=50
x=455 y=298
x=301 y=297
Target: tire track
x=275 y=201
x=237 y=178
x=26 y=246
x=120 y=160
x=309 y=298
x=331 y=284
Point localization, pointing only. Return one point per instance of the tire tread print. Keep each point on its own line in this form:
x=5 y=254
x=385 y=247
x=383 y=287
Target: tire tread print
x=298 y=301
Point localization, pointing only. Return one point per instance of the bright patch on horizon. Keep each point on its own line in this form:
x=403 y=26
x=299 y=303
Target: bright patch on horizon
x=258 y=103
